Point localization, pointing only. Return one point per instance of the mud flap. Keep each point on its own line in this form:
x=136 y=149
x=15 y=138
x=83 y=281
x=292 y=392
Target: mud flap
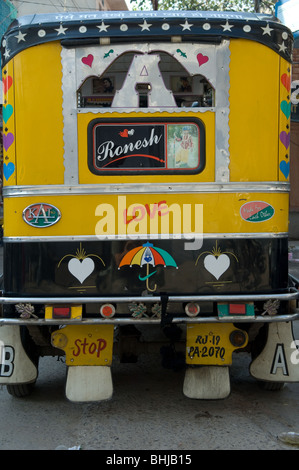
x=88 y=383
x=15 y=365
x=278 y=361
x=207 y=382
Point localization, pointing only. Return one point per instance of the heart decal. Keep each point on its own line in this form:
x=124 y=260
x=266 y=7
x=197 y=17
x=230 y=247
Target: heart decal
x=201 y=59
x=8 y=170
x=286 y=108
x=8 y=140
x=285 y=168
x=7 y=112
x=217 y=265
x=7 y=82
x=81 y=269
x=285 y=139
x=88 y=60
x=286 y=81
x=124 y=133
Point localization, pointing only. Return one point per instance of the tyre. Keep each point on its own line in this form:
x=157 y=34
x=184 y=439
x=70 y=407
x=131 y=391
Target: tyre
x=272 y=386
x=20 y=390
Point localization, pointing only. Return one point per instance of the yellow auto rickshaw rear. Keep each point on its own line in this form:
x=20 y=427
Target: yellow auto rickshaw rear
x=146 y=173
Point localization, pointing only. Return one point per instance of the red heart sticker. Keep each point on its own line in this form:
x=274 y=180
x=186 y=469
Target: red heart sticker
x=286 y=81
x=7 y=82
x=88 y=60
x=202 y=59
x=124 y=133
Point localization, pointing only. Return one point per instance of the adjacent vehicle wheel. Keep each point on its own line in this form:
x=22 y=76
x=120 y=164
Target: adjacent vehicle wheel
x=271 y=386
x=20 y=390
x=258 y=346
x=23 y=390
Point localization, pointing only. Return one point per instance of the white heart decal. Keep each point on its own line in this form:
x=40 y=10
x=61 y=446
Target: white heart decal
x=81 y=269
x=216 y=265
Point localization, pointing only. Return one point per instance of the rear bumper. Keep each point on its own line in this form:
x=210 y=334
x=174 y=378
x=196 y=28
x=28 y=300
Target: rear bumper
x=291 y=295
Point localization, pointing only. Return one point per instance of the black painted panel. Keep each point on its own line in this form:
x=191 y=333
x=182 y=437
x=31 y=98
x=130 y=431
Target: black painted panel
x=102 y=268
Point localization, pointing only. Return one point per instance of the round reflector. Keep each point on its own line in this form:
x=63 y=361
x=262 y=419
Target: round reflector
x=107 y=310
x=237 y=338
x=192 y=309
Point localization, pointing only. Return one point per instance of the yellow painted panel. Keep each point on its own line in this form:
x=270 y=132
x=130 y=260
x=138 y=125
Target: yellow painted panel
x=86 y=177
x=39 y=123
x=254 y=112
x=9 y=133
x=109 y=214
x=85 y=345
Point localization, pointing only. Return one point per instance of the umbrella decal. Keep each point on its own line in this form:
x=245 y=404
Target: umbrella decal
x=146 y=255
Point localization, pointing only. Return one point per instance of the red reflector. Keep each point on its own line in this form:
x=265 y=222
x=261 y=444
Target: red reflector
x=107 y=310
x=192 y=309
x=237 y=309
x=61 y=312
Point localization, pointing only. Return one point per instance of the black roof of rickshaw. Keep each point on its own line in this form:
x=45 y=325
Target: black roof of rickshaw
x=84 y=28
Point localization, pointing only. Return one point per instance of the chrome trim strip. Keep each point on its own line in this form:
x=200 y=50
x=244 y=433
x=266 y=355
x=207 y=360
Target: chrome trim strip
x=146 y=188
x=180 y=111
x=70 y=131
x=205 y=236
x=148 y=321
x=222 y=129
x=291 y=295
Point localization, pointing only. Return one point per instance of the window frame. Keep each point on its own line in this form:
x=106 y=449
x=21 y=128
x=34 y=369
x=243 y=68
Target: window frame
x=94 y=123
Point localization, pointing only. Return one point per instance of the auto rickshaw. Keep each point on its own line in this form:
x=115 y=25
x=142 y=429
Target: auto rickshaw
x=146 y=189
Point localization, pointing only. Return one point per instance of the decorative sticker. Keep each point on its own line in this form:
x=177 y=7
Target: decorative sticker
x=9 y=168
x=148 y=255
x=88 y=60
x=201 y=59
x=284 y=122
x=41 y=215
x=81 y=265
x=256 y=211
x=217 y=262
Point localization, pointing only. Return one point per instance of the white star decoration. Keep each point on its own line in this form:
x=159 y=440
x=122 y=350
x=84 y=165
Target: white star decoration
x=282 y=47
x=21 y=36
x=61 y=30
x=227 y=26
x=186 y=25
x=145 y=26
x=103 y=27
x=267 y=30
x=6 y=53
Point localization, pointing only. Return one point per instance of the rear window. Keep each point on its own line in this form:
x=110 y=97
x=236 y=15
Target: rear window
x=149 y=146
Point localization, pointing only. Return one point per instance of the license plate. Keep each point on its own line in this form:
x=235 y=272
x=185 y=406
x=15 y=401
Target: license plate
x=209 y=344
x=85 y=345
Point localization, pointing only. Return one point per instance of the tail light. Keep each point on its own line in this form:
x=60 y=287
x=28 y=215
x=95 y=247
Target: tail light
x=57 y=312
x=237 y=338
